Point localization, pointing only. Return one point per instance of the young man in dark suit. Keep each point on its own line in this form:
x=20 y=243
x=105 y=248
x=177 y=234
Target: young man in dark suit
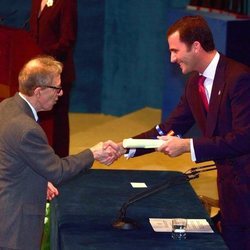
x=224 y=121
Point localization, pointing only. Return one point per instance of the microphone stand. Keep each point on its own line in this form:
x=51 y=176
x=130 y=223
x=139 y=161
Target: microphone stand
x=194 y=173
x=125 y=223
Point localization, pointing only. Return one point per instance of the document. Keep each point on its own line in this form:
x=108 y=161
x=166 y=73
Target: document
x=193 y=225
x=142 y=143
x=138 y=184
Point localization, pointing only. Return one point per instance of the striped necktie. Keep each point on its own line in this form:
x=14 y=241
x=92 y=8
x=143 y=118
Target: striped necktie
x=202 y=91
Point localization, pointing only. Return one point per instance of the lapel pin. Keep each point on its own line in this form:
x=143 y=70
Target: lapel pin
x=219 y=92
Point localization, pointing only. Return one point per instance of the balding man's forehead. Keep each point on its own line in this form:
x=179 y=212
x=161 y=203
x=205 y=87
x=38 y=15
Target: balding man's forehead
x=33 y=63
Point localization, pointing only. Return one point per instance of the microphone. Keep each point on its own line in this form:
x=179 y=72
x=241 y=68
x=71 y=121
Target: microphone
x=125 y=223
x=193 y=173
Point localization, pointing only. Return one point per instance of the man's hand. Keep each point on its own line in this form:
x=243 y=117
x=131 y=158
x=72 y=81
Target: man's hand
x=122 y=150
x=106 y=152
x=52 y=191
x=174 y=146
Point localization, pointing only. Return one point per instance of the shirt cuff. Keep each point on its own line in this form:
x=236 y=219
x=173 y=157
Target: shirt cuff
x=130 y=153
x=193 y=156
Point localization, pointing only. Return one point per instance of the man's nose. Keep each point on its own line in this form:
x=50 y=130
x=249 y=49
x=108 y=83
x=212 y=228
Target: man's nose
x=172 y=58
x=60 y=93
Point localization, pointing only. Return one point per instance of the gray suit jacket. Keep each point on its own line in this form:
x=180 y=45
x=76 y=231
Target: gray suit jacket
x=27 y=163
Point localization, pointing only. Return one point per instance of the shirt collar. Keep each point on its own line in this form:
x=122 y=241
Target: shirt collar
x=32 y=108
x=211 y=68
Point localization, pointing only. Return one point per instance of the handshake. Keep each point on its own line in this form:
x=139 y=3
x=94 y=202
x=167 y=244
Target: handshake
x=170 y=145
x=104 y=152
x=107 y=152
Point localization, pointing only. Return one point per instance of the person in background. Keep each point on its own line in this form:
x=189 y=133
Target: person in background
x=28 y=162
x=216 y=98
x=53 y=26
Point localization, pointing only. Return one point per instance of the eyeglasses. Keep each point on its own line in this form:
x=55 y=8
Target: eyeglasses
x=58 y=89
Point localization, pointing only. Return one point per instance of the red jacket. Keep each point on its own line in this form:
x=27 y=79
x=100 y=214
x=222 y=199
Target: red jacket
x=55 y=32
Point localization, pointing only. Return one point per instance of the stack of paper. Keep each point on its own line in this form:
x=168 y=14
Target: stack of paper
x=193 y=225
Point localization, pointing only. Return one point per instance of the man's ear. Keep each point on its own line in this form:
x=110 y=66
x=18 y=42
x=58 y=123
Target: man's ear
x=37 y=91
x=196 y=46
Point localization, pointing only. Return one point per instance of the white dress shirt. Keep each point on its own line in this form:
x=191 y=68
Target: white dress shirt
x=209 y=73
x=32 y=108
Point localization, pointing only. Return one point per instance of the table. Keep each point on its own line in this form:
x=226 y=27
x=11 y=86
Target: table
x=83 y=213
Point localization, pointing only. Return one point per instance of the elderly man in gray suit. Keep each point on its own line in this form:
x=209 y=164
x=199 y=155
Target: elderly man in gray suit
x=27 y=162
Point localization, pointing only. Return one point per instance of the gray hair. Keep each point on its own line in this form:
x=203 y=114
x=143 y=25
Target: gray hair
x=38 y=72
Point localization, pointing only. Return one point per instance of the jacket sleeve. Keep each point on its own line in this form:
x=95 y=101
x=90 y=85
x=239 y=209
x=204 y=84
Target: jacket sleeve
x=38 y=155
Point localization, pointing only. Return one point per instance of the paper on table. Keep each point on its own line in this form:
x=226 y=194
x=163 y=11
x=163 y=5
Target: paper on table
x=193 y=225
x=142 y=143
x=138 y=184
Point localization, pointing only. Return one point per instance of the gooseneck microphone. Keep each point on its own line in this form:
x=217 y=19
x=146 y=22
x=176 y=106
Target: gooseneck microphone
x=194 y=173
x=125 y=223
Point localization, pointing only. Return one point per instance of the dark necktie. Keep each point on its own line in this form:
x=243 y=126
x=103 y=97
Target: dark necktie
x=202 y=91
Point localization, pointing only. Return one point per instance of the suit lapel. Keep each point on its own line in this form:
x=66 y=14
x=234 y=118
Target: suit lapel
x=215 y=99
x=36 y=8
x=46 y=8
